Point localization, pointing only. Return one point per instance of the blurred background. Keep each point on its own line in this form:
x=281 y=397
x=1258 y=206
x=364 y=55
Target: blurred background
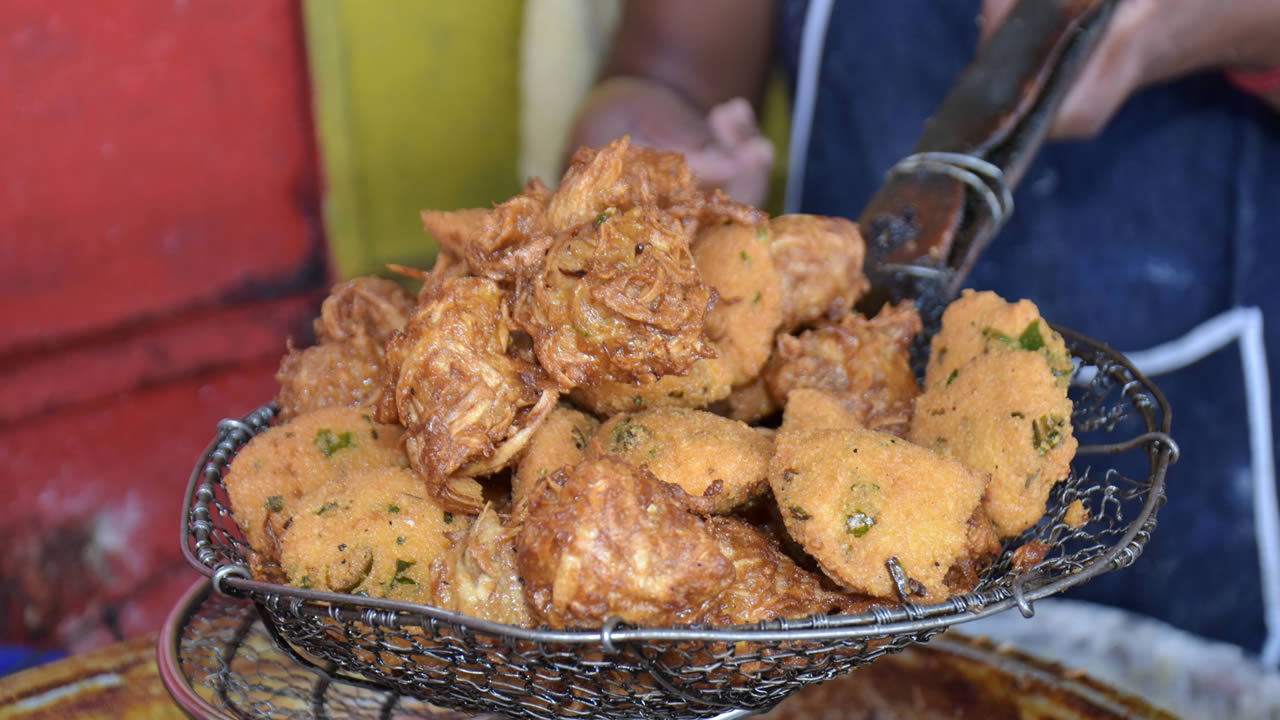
x=183 y=181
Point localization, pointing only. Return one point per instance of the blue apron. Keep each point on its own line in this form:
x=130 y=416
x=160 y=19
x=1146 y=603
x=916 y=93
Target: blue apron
x=1170 y=217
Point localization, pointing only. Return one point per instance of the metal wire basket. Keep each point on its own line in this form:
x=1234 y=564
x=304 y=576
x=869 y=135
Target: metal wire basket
x=621 y=671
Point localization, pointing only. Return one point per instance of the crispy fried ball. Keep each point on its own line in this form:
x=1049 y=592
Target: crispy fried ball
x=277 y=468
x=980 y=323
x=372 y=533
x=559 y=442
x=820 y=260
x=749 y=403
x=809 y=409
x=880 y=515
x=719 y=463
x=477 y=575
x=736 y=262
x=466 y=396
x=603 y=538
x=865 y=363
x=707 y=382
x=617 y=300
x=1004 y=415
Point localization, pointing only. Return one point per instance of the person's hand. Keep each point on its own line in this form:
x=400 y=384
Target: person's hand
x=724 y=148
x=1151 y=41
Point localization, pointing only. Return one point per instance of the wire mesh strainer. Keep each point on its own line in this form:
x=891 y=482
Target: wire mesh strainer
x=621 y=671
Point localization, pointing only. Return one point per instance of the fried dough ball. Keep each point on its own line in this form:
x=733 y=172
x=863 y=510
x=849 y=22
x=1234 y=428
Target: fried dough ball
x=267 y=479
x=749 y=403
x=865 y=363
x=719 y=463
x=708 y=381
x=768 y=585
x=457 y=382
x=343 y=368
x=980 y=323
x=372 y=533
x=1004 y=415
x=617 y=300
x=820 y=259
x=809 y=409
x=603 y=538
x=735 y=261
x=477 y=575
x=559 y=442
x=880 y=515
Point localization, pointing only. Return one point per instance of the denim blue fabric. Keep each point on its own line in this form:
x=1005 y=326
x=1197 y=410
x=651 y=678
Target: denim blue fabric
x=1170 y=216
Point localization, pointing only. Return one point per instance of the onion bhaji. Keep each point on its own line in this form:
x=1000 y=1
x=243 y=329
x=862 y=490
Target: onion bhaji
x=866 y=363
x=560 y=441
x=502 y=243
x=719 y=463
x=477 y=576
x=820 y=259
x=467 y=401
x=372 y=533
x=344 y=367
x=268 y=478
x=604 y=538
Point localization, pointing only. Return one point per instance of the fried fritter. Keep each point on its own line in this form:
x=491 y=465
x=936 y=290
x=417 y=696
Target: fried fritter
x=559 y=442
x=865 y=363
x=820 y=259
x=735 y=261
x=980 y=323
x=1004 y=415
x=881 y=516
x=809 y=409
x=603 y=538
x=749 y=403
x=343 y=368
x=282 y=464
x=467 y=400
x=501 y=244
x=719 y=463
x=617 y=300
x=477 y=576
x=455 y=230
x=706 y=382
x=371 y=533
x=768 y=585
x=983 y=547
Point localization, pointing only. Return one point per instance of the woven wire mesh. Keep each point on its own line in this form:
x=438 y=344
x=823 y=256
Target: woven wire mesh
x=619 y=671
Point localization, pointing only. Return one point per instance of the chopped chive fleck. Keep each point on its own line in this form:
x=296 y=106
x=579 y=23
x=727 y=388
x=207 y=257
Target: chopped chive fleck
x=858 y=523
x=401 y=567
x=755 y=299
x=400 y=540
x=1031 y=339
x=1046 y=433
x=762 y=233
x=799 y=513
x=330 y=443
x=952 y=377
x=746 y=257
x=305 y=582
x=275 y=503
x=676 y=394
x=326 y=508
x=393 y=508
x=602 y=217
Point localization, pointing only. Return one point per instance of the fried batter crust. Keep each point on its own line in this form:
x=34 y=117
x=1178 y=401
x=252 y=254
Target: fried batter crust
x=604 y=539
x=735 y=261
x=502 y=243
x=820 y=259
x=708 y=381
x=559 y=442
x=865 y=363
x=369 y=306
x=466 y=401
x=477 y=576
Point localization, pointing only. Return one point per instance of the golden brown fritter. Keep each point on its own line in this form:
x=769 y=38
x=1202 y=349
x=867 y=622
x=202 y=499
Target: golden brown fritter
x=1003 y=415
x=809 y=409
x=820 y=259
x=371 y=533
x=735 y=261
x=344 y=367
x=881 y=516
x=605 y=539
x=621 y=176
x=503 y=243
x=719 y=463
x=617 y=300
x=559 y=442
x=983 y=547
x=477 y=576
x=980 y=323
x=455 y=230
x=865 y=363
x=278 y=467
x=768 y=585
x=705 y=383
x=468 y=402
x=749 y=403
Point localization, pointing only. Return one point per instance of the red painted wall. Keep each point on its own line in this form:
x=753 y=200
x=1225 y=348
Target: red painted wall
x=159 y=240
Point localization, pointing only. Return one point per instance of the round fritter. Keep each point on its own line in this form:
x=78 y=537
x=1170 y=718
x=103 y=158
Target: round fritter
x=865 y=363
x=1005 y=415
x=603 y=538
x=618 y=299
x=749 y=403
x=880 y=515
x=372 y=533
x=560 y=441
x=283 y=463
x=719 y=463
x=346 y=374
x=477 y=575
x=980 y=323
x=371 y=307
x=466 y=396
x=735 y=261
x=501 y=243
x=820 y=259
x=809 y=409
x=708 y=381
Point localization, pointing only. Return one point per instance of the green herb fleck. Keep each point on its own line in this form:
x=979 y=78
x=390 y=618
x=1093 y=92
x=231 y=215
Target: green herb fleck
x=653 y=452
x=361 y=593
x=305 y=582
x=393 y=508
x=762 y=233
x=1017 y=414
x=602 y=217
x=628 y=435
x=676 y=394
x=326 y=508
x=448 y=517
x=1031 y=339
x=401 y=567
x=858 y=523
x=638 y=401
x=746 y=257
x=952 y=377
x=400 y=540
x=275 y=503
x=330 y=443
x=755 y=299
x=799 y=513
x=1047 y=433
